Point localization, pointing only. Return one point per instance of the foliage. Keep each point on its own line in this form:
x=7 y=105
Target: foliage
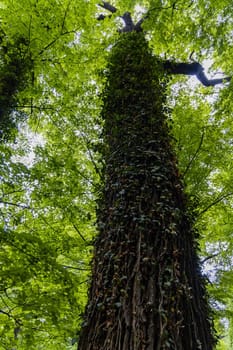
x=48 y=191
x=15 y=64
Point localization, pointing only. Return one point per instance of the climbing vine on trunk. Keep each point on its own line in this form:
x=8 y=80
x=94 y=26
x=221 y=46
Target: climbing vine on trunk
x=147 y=290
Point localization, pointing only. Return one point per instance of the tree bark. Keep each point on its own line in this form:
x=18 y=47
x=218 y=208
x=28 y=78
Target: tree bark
x=147 y=291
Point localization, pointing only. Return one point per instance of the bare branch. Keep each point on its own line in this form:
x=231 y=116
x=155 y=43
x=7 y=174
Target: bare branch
x=101 y=17
x=105 y=5
x=78 y=231
x=193 y=68
x=191 y=56
x=75 y=268
x=211 y=82
x=129 y=25
x=138 y=25
x=209 y=257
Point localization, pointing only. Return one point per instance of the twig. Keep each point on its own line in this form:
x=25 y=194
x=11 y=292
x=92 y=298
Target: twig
x=195 y=154
x=80 y=234
x=55 y=40
x=219 y=199
x=18 y=322
x=15 y=204
x=173 y=7
x=65 y=15
x=75 y=268
x=209 y=257
x=90 y=154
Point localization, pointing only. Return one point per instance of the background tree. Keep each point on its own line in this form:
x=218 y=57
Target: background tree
x=54 y=185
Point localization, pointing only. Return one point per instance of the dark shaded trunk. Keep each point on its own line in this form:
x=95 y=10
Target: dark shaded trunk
x=147 y=291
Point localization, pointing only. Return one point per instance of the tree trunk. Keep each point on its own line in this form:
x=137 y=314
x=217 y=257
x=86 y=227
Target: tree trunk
x=147 y=290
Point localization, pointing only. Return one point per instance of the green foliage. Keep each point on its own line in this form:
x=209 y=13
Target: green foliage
x=44 y=255
x=52 y=57
x=14 y=67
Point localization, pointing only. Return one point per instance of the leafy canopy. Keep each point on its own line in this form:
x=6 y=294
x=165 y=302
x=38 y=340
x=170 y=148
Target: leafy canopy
x=52 y=60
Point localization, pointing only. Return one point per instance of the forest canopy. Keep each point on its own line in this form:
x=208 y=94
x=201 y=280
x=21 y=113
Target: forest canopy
x=53 y=58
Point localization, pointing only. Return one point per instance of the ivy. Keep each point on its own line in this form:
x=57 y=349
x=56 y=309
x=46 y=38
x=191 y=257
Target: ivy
x=53 y=68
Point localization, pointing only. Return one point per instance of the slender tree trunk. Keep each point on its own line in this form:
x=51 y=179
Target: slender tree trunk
x=147 y=291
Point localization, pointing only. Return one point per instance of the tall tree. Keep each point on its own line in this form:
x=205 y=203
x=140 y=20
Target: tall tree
x=147 y=290
x=52 y=57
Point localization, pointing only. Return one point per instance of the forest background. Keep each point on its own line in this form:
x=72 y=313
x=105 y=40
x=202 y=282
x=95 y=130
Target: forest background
x=53 y=56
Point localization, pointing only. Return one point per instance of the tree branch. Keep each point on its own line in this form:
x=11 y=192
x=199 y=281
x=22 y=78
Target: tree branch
x=129 y=25
x=15 y=204
x=209 y=257
x=195 y=154
x=193 y=68
x=87 y=142
x=105 y=5
x=75 y=268
x=78 y=231
x=216 y=201
x=211 y=82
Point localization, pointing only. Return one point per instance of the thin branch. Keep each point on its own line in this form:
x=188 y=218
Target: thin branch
x=172 y=6
x=54 y=41
x=216 y=201
x=65 y=15
x=17 y=321
x=190 y=4
x=40 y=108
x=6 y=313
x=15 y=204
x=209 y=257
x=4 y=194
x=75 y=268
x=90 y=154
x=195 y=154
x=161 y=8
x=191 y=56
x=80 y=234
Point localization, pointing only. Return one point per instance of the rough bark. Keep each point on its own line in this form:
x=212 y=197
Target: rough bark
x=147 y=291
